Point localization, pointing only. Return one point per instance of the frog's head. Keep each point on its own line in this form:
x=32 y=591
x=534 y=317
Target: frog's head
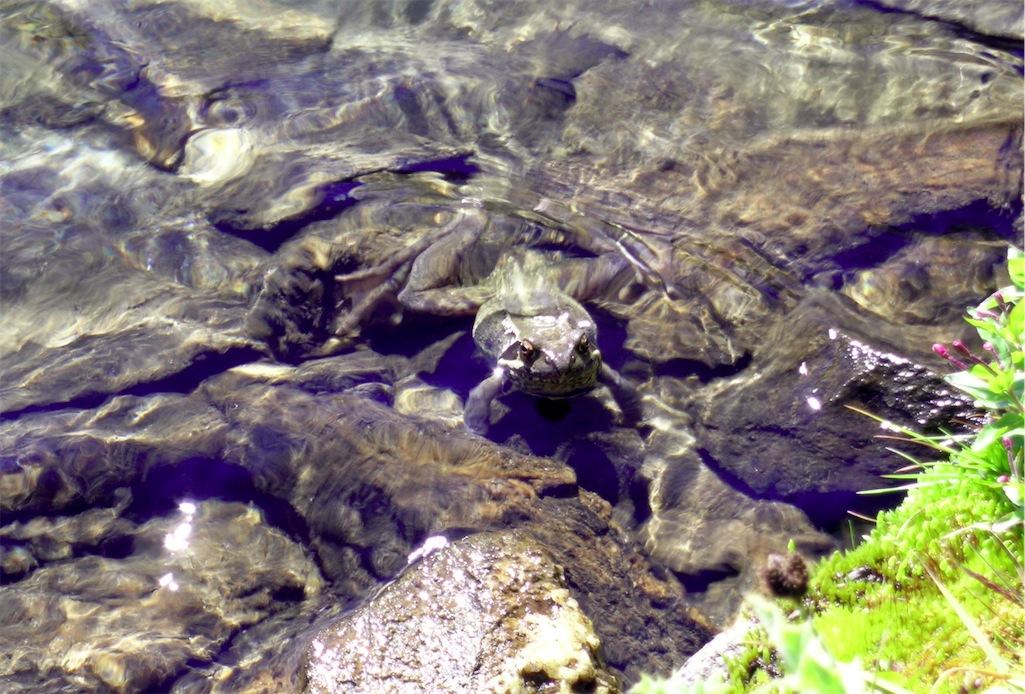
x=553 y=357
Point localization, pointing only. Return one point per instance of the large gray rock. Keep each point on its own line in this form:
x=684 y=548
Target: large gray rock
x=491 y=613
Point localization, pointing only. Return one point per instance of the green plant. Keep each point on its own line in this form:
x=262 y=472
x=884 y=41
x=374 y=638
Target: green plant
x=808 y=665
x=997 y=382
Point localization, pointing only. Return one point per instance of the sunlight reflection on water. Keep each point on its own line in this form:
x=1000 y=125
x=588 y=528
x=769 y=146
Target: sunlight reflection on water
x=178 y=539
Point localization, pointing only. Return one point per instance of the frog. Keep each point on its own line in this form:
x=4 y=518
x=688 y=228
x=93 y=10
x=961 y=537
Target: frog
x=530 y=323
x=539 y=341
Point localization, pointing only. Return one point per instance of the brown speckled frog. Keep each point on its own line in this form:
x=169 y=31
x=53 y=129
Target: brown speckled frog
x=537 y=337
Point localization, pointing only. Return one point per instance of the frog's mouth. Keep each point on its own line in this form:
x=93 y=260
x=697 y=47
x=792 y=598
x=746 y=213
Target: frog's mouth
x=564 y=383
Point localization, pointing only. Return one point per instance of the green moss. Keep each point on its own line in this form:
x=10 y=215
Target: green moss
x=903 y=637
x=752 y=667
x=880 y=599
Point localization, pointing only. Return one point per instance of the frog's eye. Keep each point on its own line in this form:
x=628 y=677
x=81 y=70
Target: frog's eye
x=527 y=351
x=583 y=345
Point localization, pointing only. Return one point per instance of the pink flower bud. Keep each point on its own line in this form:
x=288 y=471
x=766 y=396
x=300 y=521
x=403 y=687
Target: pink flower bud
x=942 y=351
x=989 y=347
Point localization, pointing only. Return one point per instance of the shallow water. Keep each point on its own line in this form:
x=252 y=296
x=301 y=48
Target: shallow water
x=772 y=211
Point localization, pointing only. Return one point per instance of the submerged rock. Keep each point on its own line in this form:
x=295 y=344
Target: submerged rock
x=786 y=430
x=186 y=585
x=350 y=479
x=1001 y=19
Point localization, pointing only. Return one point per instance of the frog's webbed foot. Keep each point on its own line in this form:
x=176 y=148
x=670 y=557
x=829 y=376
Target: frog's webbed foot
x=477 y=411
x=384 y=281
x=372 y=286
x=648 y=254
x=625 y=395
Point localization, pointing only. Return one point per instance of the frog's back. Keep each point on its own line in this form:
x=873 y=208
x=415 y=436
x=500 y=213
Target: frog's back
x=524 y=296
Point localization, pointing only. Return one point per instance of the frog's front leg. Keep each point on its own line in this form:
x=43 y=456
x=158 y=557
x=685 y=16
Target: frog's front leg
x=625 y=395
x=477 y=411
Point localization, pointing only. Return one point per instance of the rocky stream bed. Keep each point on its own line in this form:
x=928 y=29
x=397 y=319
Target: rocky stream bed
x=219 y=464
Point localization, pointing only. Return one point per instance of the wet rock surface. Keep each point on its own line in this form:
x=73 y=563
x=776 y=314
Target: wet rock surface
x=335 y=471
x=216 y=458
x=490 y=613
x=797 y=409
